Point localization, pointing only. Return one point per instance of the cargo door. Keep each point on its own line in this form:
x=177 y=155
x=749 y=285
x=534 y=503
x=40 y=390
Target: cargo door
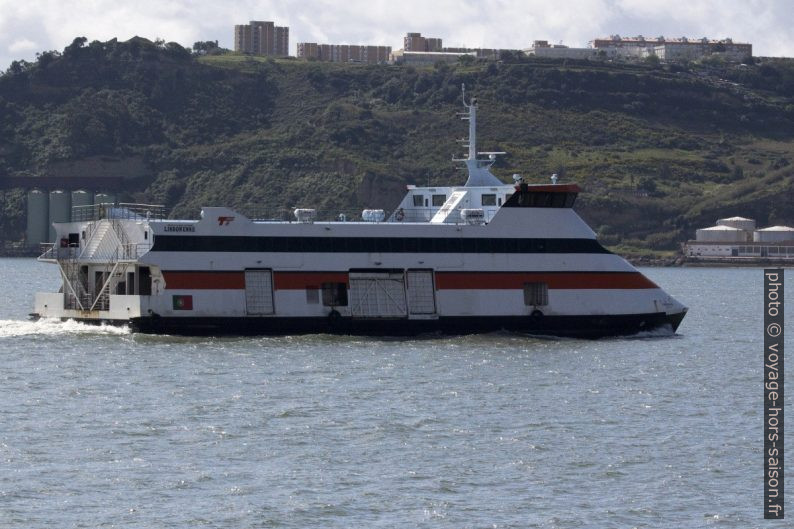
x=377 y=295
x=258 y=292
x=421 y=292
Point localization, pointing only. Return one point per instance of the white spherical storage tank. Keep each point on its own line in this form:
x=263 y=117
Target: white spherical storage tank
x=82 y=200
x=60 y=210
x=774 y=234
x=721 y=234
x=38 y=213
x=104 y=198
x=738 y=222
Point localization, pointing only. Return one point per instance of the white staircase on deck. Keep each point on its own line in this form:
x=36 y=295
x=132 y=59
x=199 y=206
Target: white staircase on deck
x=445 y=214
x=106 y=242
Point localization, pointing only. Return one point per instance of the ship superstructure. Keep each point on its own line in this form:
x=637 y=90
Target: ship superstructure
x=478 y=257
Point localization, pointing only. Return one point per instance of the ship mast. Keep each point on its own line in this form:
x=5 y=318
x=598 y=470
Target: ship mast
x=472 y=118
x=479 y=169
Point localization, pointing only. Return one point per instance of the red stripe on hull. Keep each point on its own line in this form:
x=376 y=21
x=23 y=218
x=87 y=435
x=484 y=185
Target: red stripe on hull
x=563 y=280
x=302 y=280
x=204 y=280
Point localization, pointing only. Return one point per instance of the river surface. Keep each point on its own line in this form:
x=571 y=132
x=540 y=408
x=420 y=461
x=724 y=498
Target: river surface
x=103 y=428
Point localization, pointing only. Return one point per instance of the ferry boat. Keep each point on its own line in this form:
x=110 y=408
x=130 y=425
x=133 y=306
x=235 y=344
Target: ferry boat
x=479 y=257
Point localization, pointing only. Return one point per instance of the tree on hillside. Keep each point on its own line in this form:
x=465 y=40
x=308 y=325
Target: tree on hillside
x=508 y=56
x=18 y=67
x=44 y=59
x=652 y=60
x=205 y=47
x=74 y=48
x=466 y=60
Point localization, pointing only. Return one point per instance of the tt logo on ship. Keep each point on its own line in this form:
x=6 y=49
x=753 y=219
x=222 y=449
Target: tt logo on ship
x=225 y=221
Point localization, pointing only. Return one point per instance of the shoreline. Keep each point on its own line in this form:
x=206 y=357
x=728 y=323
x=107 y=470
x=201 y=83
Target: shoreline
x=19 y=252
x=728 y=262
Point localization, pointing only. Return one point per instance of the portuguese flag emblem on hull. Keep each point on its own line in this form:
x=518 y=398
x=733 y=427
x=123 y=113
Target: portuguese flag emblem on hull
x=183 y=302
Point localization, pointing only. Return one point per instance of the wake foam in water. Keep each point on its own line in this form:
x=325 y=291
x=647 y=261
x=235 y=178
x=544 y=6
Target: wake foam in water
x=663 y=331
x=53 y=327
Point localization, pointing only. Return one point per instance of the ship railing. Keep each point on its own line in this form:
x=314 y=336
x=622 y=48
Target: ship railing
x=396 y=215
x=118 y=211
x=411 y=215
x=132 y=251
x=288 y=214
x=427 y=214
x=124 y=252
x=50 y=251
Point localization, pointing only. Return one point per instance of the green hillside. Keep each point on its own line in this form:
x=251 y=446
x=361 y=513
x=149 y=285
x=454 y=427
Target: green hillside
x=658 y=151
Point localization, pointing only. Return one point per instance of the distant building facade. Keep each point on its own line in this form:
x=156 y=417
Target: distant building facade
x=343 y=52
x=673 y=49
x=261 y=38
x=542 y=48
x=416 y=42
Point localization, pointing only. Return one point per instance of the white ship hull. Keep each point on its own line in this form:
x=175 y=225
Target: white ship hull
x=480 y=257
x=243 y=277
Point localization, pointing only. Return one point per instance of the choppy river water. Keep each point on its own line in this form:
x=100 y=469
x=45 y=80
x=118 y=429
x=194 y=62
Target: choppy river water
x=103 y=428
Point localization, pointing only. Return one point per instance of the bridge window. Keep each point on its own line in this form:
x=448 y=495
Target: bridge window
x=438 y=200
x=542 y=199
x=419 y=201
x=489 y=200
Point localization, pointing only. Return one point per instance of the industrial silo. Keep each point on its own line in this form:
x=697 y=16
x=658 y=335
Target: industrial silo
x=81 y=198
x=38 y=214
x=721 y=234
x=774 y=234
x=738 y=222
x=60 y=210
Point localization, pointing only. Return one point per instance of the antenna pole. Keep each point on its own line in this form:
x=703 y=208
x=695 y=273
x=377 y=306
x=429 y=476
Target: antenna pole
x=472 y=117
x=473 y=129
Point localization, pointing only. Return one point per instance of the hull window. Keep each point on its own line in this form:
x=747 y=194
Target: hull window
x=258 y=292
x=536 y=294
x=421 y=294
x=377 y=295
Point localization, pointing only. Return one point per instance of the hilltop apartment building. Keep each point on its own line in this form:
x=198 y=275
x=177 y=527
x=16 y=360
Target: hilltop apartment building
x=672 y=49
x=421 y=50
x=261 y=38
x=416 y=42
x=344 y=52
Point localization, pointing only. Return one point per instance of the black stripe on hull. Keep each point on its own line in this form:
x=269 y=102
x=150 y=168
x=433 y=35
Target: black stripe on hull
x=566 y=326
x=424 y=245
